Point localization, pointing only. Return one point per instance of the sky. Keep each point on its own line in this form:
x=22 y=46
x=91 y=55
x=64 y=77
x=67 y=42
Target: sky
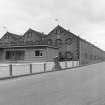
x=85 y=18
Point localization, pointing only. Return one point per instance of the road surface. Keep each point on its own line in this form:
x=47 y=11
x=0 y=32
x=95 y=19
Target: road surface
x=79 y=86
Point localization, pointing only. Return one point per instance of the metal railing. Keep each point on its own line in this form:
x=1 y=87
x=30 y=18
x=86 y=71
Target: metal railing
x=21 y=43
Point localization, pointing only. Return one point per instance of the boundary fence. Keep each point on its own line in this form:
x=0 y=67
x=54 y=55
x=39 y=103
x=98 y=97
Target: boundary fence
x=12 y=70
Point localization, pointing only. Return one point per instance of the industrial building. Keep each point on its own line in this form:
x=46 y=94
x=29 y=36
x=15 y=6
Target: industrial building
x=35 y=46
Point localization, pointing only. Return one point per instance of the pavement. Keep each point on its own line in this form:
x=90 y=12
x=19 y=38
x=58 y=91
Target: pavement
x=77 y=86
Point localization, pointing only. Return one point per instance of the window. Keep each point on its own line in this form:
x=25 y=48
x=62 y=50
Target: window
x=58 y=42
x=15 y=55
x=7 y=37
x=61 y=57
x=68 y=41
x=68 y=55
x=49 y=42
x=38 y=53
x=29 y=35
x=7 y=55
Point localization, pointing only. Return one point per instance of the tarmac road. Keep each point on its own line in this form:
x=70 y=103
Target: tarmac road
x=79 y=86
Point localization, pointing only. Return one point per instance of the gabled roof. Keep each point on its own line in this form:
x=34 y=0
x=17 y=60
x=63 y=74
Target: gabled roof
x=57 y=27
x=36 y=32
x=63 y=29
x=12 y=35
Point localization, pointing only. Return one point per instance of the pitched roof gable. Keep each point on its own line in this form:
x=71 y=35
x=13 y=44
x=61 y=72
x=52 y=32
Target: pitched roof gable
x=56 y=28
x=12 y=35
x=59 y=27
x=36 y=32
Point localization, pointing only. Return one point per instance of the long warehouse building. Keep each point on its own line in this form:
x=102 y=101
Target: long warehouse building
x=34 y=46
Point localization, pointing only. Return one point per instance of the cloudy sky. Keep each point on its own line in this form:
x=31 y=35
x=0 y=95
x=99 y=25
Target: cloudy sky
x=85 y=18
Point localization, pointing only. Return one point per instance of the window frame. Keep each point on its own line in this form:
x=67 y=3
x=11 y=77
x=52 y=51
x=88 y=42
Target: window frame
x=58 y=43
x=68 y=39
x=49 y=41
x=38 y=53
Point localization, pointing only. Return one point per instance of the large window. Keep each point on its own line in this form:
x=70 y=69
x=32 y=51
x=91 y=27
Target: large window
x=38 y=53
x=49 y=42
x=29 y=34
x=58 y=42
x=68 y=41
x=68 y=55
x=7 y=36
x=15 y=55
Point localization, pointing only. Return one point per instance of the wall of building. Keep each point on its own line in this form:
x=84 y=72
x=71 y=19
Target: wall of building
x=89 y=53
x=48 y=54
x=8 y=39
x=2 y=55
x=30 y=35
x=51 y=54
x=30 y=55
x=68 y=42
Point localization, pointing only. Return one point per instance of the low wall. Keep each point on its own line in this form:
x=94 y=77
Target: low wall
x=9 y=70
x=20 y=69
x=69 y=64
x=37 y=67
x=4 y=70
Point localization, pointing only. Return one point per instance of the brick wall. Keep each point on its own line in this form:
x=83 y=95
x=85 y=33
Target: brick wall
x=67 y=42
x=90 y=53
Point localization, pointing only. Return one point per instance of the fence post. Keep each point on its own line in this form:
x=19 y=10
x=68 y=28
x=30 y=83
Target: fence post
x=44 y=67
x=72 y=63
x=31 y=68
x=76 y=63
x=66 y=64
x=10 y=69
